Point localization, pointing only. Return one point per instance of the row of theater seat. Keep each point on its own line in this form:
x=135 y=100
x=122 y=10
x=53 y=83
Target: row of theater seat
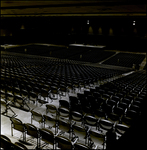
x=125 y=59
x=87 y=54
x=92 y=55
x=73 y=53
x=47 y=67
x=46 y=135
x=89 y=131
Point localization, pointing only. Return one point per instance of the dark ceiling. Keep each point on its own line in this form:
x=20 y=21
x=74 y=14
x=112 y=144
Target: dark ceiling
x=73 y=8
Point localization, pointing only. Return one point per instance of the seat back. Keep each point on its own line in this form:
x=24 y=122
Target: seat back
x=119 y=111
x=9 y=96
x=24 y=93
x=36 y=90
x=90 y=120
x=18 y=99
x=62 y=90
x=64 y=103
x=16 y=91
x=3 y=93
x=63 y=113
x=44 y=93
x=73 y=100
x=51 y=109
x=113 y=117
x=80 y=132
x=47 y=135
x=121 y=129
x=99 y=113
x=5 y=142
x=97 y=137
x=31 y=130
x=50 y=121
x=36 y=116
x=33 y=95
x=63 y=142
x=64 y=126
x=76 y=116
x=105 y=124
x=17 y=124
x=54 y=93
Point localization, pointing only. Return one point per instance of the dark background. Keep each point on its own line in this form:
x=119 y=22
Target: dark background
x=67 y=30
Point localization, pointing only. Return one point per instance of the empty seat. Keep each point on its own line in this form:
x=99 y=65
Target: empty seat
x=33 y=97
x=97 y=138
x=77 y=117
x=73 y=100
x=80 y=132
x=52 y=110
x=121 y=129
x=119 y=111
x=126 y=120
x=18 y=125
x=131 y=114
x=63 y=91
x=113 y=117
x=99 y=113
x=105 y=125
x=90 y=121
x=47 y=136
x=54 y=93
x=63 y=113
x=16 y=91
x=32 y=130
x=107 y=108
x=65 y=127
x=126 y=100
x=111 y=102
x=115 y=98
x=36 y=116
x=106 y=96
x=63 y=142
x=50 y=122
x=24 y=93
x=3 y=94
x=9 y=97
x=135 y=108
x=64 y=103
x=5 y=143
x=43 y=97
x=123 y=105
